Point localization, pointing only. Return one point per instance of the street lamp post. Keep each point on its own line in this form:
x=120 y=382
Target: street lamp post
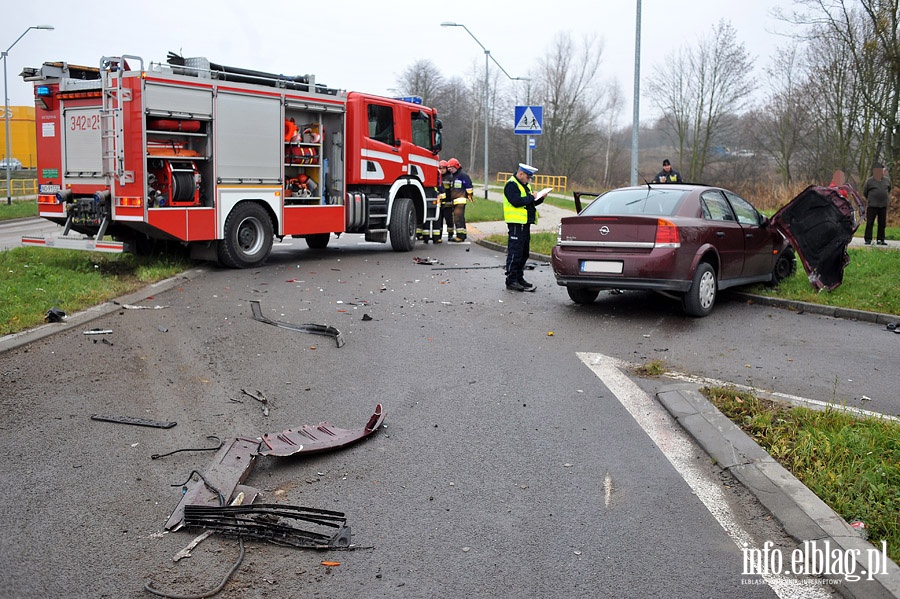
x=6 y=105
x=487 y=57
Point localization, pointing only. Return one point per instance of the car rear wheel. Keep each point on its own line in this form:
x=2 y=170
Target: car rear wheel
x=582 y=295
x=699 y=299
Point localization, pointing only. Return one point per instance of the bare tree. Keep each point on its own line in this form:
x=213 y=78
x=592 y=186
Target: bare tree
x=704 y=85
x=867 y=32
x=423 y=79
x=615 y=103
x=573 y=98
x=779 y=129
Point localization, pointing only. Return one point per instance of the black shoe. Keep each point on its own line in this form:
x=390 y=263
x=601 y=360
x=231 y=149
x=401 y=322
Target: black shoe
x=882 y=242
x=867 y=242
x=525 y=283
x=516 y=286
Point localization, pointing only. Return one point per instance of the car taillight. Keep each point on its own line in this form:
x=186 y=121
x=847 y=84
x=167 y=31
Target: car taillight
x=666 y=234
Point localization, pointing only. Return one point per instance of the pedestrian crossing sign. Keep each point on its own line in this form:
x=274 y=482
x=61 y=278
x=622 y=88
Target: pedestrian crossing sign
x=529 y=120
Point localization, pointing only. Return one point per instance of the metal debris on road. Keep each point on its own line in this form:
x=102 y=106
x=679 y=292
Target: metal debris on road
x=134 y=421
x=133 y=307
x=234 y=461
x=315 y=329
x=418 y=260
x=275 y=523
x=97 y=332
x=258 y=396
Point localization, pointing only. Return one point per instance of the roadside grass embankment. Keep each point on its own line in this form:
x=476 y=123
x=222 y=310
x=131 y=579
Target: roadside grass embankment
x=851 y=463
x=33 y=280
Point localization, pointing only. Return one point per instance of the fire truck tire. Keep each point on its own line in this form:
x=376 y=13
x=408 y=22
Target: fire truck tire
x=248 y=237
x=318 y=241
x=403 y=225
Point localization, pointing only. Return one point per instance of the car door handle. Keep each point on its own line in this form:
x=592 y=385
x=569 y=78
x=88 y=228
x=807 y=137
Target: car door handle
x=720 y=233
x=749 y=235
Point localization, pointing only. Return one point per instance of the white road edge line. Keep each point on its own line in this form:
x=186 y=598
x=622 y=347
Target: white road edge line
x=679 y=449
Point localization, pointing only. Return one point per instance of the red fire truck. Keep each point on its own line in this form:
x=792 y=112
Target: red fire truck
x=223 y=159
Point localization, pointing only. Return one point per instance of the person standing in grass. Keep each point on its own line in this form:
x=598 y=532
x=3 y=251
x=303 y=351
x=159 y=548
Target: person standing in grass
x=877 y=192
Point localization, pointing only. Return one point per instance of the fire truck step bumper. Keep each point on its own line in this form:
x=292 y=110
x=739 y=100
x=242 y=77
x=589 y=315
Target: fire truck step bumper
x=91 y=245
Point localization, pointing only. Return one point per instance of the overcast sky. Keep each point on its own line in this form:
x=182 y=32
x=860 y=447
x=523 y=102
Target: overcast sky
x=365 y=45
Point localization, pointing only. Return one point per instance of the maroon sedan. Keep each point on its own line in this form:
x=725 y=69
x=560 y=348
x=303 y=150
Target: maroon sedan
x=683 y=240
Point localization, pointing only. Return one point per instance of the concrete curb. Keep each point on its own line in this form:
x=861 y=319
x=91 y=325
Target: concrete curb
x=15 y=340
x=803 y=515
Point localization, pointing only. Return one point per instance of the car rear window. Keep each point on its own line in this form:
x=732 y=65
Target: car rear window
x=653 y=201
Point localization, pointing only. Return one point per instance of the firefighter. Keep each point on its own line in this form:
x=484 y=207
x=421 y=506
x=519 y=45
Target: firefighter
x=445 y=215
x=461 y=192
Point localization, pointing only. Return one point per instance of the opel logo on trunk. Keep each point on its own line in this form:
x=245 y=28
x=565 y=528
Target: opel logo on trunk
x=604 y=230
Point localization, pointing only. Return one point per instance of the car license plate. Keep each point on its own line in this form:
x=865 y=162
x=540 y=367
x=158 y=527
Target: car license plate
x=602 y=266
x=46 y=189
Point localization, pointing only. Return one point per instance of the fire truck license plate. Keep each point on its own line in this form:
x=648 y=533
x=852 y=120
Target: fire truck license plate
x=49 y=188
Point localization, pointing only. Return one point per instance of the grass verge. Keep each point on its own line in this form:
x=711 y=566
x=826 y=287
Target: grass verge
x=851 y=463
x=870 y=283
x=33 y=280
x=18 y=209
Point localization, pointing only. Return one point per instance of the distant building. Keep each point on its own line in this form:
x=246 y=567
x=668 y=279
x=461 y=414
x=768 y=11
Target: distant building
x=22 y=140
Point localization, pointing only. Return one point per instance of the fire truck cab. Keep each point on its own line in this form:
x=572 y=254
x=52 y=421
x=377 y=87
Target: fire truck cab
x=223 y=159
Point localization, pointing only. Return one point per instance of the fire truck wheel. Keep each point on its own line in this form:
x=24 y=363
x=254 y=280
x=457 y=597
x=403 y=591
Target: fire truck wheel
x=248 y=237
x=403 y=225
x=318 y=241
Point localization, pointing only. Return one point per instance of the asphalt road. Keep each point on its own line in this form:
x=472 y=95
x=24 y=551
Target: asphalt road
x=506 y=467
x=11 y=231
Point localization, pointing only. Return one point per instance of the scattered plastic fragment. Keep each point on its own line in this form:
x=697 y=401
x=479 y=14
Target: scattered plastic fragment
x=860 y=527
x=97 y=332
x=550 y=333
x=331 y=564
x=55 y=315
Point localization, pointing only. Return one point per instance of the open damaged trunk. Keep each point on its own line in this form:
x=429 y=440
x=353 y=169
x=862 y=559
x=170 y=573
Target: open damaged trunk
x=820 y=223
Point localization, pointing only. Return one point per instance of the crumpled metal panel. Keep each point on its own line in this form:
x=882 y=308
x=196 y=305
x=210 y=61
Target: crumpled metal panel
x=820 y=223
x=321 y=437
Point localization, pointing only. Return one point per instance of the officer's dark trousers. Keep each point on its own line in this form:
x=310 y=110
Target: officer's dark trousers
x=517 y=249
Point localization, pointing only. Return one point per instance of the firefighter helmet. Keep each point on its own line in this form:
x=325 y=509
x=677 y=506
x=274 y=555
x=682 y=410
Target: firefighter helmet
x=454 y=163
x=442 y=164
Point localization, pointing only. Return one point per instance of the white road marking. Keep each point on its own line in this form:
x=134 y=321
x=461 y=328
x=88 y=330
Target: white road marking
x=679 y=450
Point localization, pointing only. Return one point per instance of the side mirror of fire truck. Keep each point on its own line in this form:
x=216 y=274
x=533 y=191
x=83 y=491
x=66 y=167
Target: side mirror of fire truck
x=437 y=135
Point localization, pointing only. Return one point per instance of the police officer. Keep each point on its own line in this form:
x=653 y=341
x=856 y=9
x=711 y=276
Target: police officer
x=520 y=213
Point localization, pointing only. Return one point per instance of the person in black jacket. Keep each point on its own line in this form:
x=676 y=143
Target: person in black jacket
x=668 y=174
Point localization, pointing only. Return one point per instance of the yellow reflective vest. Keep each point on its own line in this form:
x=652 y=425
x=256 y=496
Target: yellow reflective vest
x=515 y=214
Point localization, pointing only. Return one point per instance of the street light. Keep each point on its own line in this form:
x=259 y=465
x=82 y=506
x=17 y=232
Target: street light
x=487 y=55
x=6 y=104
